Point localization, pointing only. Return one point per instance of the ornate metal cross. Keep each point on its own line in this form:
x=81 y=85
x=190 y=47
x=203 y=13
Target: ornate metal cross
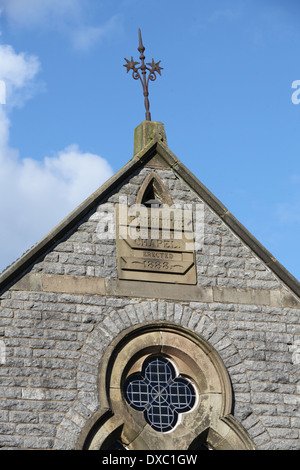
x=152 y=68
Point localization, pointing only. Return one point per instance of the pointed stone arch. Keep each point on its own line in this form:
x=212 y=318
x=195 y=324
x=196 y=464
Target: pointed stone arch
x=92 y=410
x=212 y=417
x=153 y=189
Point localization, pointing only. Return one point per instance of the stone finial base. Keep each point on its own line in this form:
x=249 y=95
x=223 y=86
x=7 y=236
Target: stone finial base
x=147 y=131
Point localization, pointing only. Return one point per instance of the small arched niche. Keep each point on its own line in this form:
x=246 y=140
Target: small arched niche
x=153 y=192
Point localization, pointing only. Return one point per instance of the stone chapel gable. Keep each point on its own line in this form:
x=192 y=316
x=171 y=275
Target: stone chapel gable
x=150 y=318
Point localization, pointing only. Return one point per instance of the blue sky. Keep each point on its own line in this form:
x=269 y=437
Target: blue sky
x=225 y=97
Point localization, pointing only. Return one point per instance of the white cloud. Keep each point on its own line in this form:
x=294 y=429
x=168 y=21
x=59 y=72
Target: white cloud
x=85 y=37
x=33 y=13
x=68 y=17
x=17 y=72
x=36 y=194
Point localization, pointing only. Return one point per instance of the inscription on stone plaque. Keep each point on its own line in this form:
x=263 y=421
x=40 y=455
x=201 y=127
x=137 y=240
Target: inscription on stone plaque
x=155 y=246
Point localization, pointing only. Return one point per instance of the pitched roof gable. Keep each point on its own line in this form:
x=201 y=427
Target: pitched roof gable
x=156 y=150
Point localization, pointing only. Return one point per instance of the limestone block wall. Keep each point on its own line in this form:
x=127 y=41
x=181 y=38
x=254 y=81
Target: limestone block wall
x=222 y=261
x=58 y=320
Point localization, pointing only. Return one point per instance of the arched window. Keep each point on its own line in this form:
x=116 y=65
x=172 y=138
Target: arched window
x=162 y=387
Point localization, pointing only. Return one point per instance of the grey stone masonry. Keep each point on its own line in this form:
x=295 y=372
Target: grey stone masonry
x=223 y=260
x=51 y=342
x=54 y=343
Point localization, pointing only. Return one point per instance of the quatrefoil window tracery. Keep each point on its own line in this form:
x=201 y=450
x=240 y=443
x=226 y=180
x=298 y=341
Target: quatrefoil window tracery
x=160 y=393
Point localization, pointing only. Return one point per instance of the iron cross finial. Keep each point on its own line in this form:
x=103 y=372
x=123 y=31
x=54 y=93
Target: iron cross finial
x=152 y=68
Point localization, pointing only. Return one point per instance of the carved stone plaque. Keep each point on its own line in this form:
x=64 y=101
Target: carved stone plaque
x=155 y=246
